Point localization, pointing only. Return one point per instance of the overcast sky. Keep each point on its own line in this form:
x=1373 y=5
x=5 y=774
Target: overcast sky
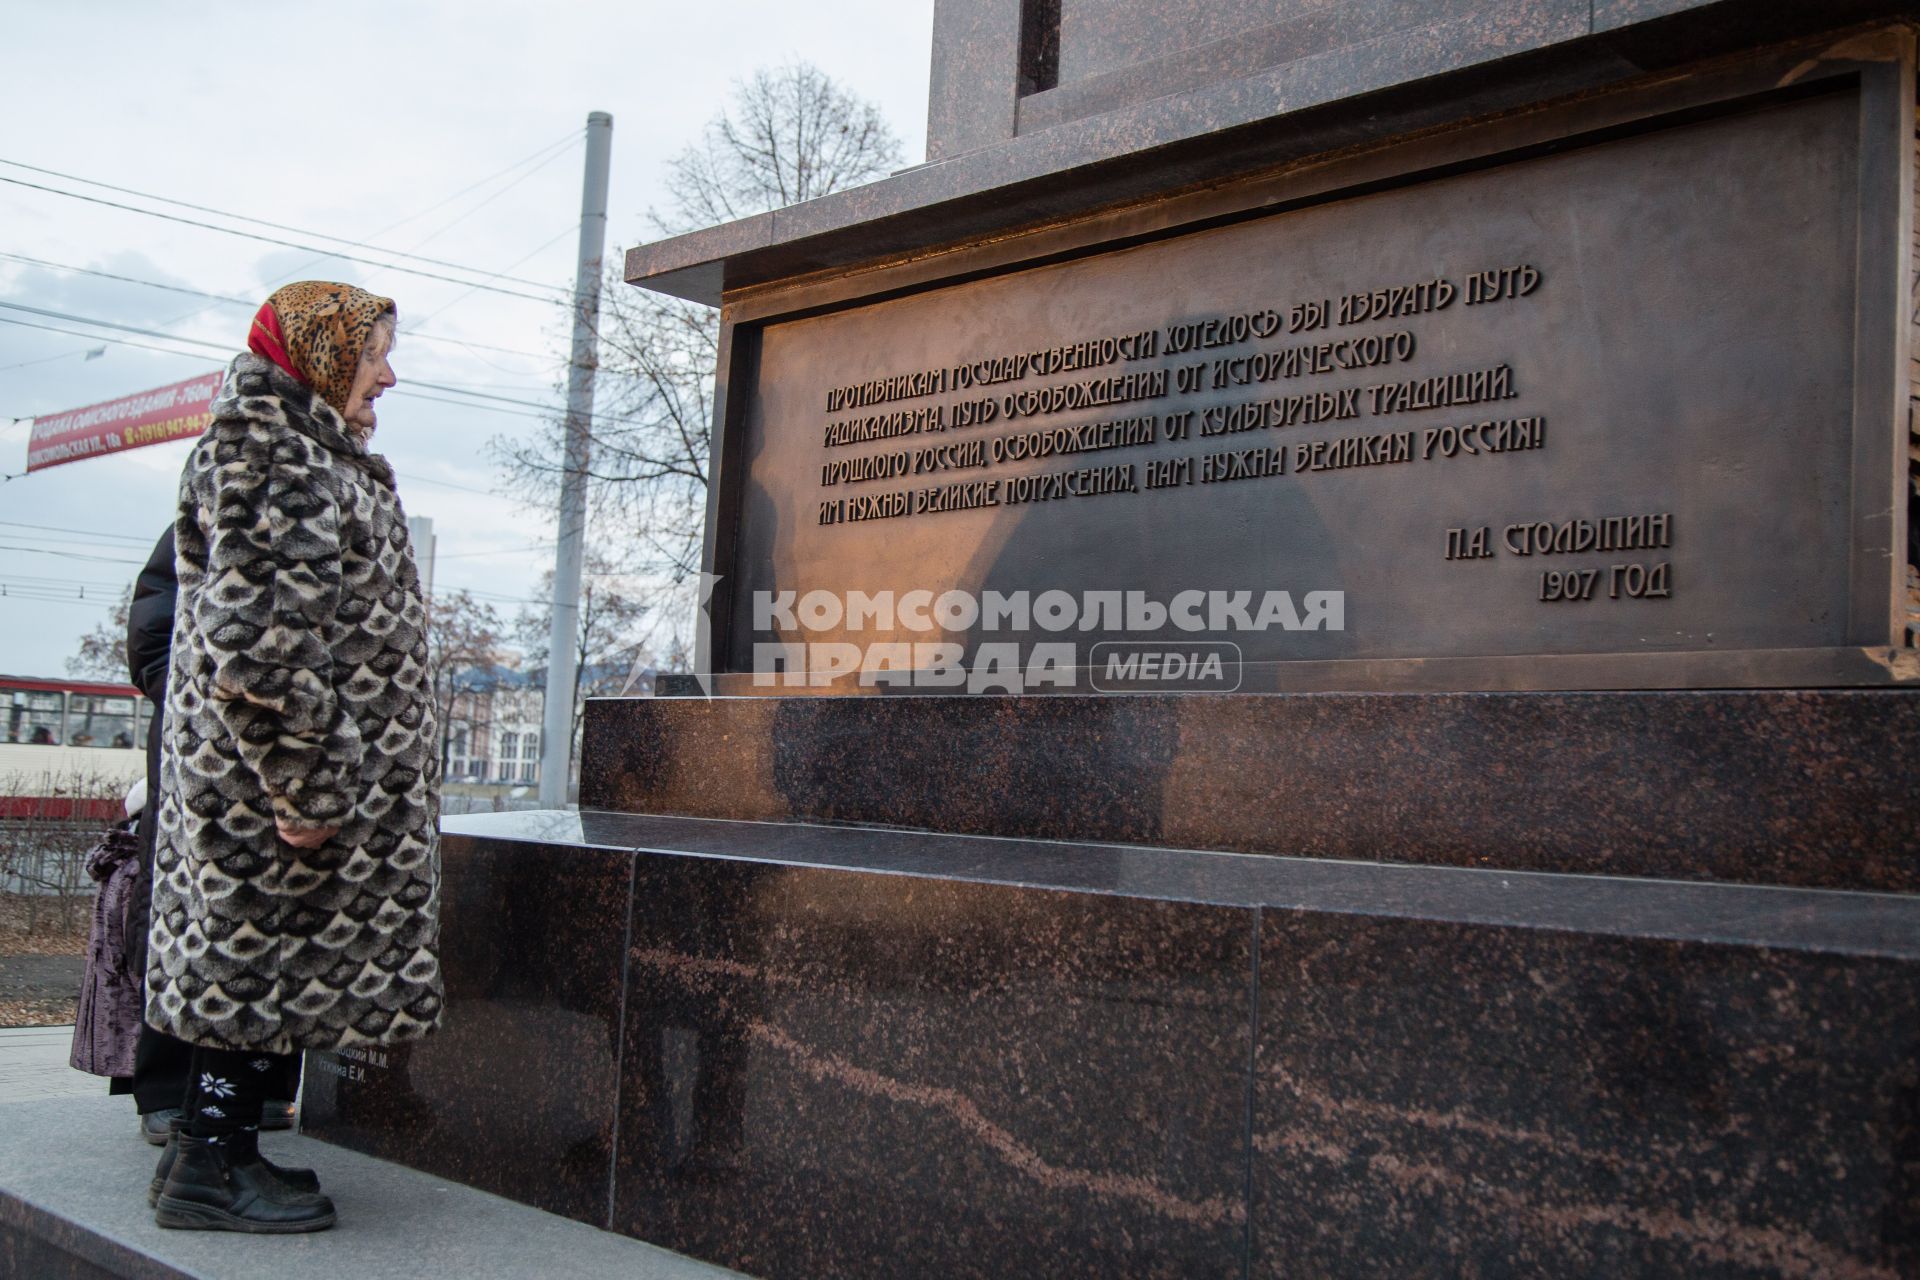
x=358 y=120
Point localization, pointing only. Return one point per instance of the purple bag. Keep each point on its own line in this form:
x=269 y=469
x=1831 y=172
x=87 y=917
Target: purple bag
x=112 y=999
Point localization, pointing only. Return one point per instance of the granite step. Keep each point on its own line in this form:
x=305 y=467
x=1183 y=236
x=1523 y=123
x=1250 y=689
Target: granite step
x=73 y=1174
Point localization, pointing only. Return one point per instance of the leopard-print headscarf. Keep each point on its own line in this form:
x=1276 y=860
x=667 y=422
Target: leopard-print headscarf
x=325 y=327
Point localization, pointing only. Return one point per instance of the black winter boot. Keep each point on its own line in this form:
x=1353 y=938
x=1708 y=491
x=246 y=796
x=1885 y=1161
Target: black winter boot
x=208 y=1189
x=293 y=1178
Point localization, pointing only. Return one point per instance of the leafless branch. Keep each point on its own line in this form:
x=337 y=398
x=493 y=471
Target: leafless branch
x=788 y=134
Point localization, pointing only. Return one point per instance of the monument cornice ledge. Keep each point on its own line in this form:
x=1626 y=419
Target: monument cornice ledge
x=1509 y=55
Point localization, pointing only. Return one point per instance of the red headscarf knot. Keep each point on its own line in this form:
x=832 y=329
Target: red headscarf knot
x=265 y=340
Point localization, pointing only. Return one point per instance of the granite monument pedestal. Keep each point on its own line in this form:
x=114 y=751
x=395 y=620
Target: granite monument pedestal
x=1556 y=913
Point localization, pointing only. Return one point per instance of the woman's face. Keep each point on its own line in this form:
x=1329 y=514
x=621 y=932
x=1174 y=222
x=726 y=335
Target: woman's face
x=373 y=376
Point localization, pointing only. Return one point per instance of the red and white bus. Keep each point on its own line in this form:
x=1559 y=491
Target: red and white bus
x=66 y=745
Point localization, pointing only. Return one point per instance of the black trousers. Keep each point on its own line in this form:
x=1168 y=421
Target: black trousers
x=160 y=1073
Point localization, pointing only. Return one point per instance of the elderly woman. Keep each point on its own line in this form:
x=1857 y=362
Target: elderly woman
x=296 y=874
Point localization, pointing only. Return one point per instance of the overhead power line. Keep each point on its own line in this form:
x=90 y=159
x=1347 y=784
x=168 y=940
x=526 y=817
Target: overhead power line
x=468 y=404
x=24 y=534
x=561 y=299
x=249 y=302
x=91 y=533
x=448 y=484
x=110 y=324
x=302 y=268
x=92 y=590
x=458 y=298
x=226 y=350
x=413 y=325
x=22 y=364
x=66 y=580
x=194 y=355
x=262 y=222
x=69 y=555
x=6 y=595
x=111 y=275
x=102 y=536
x=545 y=412
x=32 y=579
x=459 y=218
x=101 y=337
x=481 y=395
x=503 y=551
x=571 y=136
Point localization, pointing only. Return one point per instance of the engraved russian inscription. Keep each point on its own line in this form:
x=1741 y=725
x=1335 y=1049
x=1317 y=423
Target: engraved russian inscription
x=1479 y=418
x=1580 y=535
x=1446 y=389
x=1316 y=406
x=1290 y=361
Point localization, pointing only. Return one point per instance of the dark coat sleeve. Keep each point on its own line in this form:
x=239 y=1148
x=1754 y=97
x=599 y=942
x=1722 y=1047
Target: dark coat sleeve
x=150 y=621
x=149 y=645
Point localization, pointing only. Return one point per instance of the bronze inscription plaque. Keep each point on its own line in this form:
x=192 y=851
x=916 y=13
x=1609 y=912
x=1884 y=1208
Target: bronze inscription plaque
x=1595 y=402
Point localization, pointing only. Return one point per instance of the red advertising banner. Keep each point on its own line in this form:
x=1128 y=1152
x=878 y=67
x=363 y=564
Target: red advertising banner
x=152 y=417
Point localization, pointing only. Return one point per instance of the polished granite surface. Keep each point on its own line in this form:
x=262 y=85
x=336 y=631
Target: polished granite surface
x=1437 y=1099
x=515 y=1093
x=809 y=1050
x=1811 y=788
x=1168 y=127
x=1845 y=922
x=838 y=1073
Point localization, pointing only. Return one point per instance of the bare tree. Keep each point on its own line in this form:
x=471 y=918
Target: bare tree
x=53 y=825
x=653 y=428
x=462 y=633
x=789 y=134
x=103 y=650
x=610 y=643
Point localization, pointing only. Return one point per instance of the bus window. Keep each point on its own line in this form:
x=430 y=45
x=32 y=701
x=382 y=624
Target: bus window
x=33 y=716
x=99 y=720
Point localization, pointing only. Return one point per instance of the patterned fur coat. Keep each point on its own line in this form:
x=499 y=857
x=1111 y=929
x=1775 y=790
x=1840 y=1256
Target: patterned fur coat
x=299 y=689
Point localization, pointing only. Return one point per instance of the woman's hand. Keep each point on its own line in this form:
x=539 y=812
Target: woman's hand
x=305 y=837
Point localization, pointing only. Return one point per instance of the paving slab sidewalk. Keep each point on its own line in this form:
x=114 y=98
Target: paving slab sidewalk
x=73 y=1176
x=33 y=1067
